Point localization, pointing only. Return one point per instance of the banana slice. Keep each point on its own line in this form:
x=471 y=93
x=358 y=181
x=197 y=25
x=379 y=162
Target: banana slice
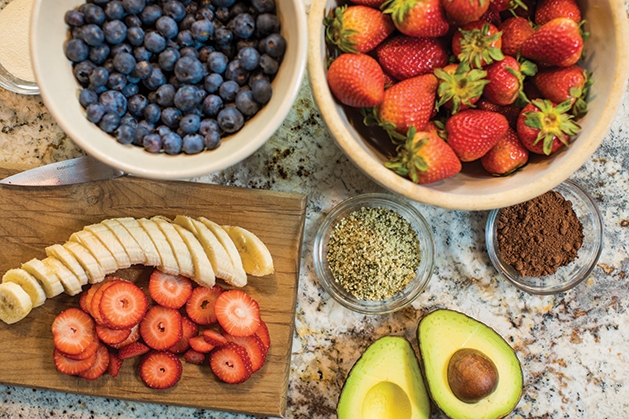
x=64 y=255
x=28 y=283
x=47 y=279
x=70 y=282
x=95 y=273
x=179 y=248
x=203 y=271
x=255 y=256
x=221 y=263
x=140 y=235
x=131 y=246
x=15 y=303
x=97 y=249
x=111 y=242
x=240 y=279
x=168 y=263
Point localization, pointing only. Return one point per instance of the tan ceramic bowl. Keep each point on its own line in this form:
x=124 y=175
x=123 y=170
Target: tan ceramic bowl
x=606 y=56
x=59 y=91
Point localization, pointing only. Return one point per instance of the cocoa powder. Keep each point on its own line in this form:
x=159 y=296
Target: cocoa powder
x=538 y=236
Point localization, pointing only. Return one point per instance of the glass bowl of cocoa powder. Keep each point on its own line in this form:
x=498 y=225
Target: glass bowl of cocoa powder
x=549 y=244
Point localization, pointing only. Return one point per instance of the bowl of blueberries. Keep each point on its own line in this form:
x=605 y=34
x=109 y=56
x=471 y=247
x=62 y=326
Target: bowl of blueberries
x=169 y=89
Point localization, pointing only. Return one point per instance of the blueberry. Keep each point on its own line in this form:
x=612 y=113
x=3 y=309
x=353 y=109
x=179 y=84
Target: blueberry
x=227 y=91
x=263 y=6
x=152 y=113
x=267 y=23
x=114 y=102
x=172 y=143
x=174 y=9
x=246 y=104
x=152 y=143
x=116 y=81
x=204 y=12
x=74 y=18
x=99 y=54
x=99 y=77
x=129 y=119
x=93 y=14
x=124 y=63
x=212 y=140
x=222 y=14
x=154 y=42
x=249 y=58
x=189 y=51
x=143 y=129
x=223 y=36
x=274 y=45
x=76 y=50
x=241 y=7
x=125 y=134
x=186 y=22
x=269 y=64
x=135 y=36
x=262 y=91
x=187 y=98
x=167 y=26
x=133 y=6
x=204 y=52
x=244 y=25
x=202 y=30
x=142 y=54
x=190 y=123
x=109 y=122
x=156 y=79
x=136 y=104
x=189 y=70
x=142 y=70
x=115 y=31
x=165 y=95
x=120 y=49
x=212 y=82
x=185 y=38
x=223 y=3
x=171 y=116
x=132 y=21
x=217 y=62
x=212 y=105
x=230 y=120
x=168 y=58
x=83 y=70
x=236 y=73
x=207 y=125
x=87 y=97
x=114 y=10
x=150 y=14
x=162 y=130
x=95 y=112
x=193 y=144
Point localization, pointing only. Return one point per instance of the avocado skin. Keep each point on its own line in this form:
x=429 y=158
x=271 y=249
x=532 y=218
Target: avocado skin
x=441 y=333
x=390 y=359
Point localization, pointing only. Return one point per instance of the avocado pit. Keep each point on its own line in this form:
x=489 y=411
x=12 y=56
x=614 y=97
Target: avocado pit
x=472 y=376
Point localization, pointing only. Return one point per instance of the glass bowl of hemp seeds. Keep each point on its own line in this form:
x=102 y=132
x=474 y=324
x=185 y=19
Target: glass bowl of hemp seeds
x=549 y=244
x=374 y=253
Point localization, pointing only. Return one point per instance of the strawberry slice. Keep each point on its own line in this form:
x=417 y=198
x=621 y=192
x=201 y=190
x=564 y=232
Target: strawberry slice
x=112 y=336
x=193 y=357
x=230 y=363
x=214 y=337
x=160 y=369
x=87 y=353
x=85 y=301
x=255 y=349
x=96 y=300
x=132 y=350
x=123 y=305
x=199 y=344
x=70 y=366
x=161 y=327
x=188 y=330
x=200 y=306
x=115 y=363
x=172 y=291
x=73 y=331
x=134 y=336
x=100 y=365
x=264 y=335
x=237 y=313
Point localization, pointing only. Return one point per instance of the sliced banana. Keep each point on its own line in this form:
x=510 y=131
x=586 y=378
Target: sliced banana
x=168 y=263
x=203 y=271
x=111 y=242
x=28 y=283
x=95 y=273
x=47 y=279
x=65 y=256
x=179 y=247
x=15 y=303
x=240 y=279
x=97 y=249
x=130 y=244
x=143 y=239
x=70 y=282
x=255 y=256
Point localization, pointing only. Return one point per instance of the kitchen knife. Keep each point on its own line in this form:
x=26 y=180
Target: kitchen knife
x=67 y=172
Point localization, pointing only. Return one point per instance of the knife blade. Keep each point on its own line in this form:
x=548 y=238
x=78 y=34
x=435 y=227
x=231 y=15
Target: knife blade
x=67 y=172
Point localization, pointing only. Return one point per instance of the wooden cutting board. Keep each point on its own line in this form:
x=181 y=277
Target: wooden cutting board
x=32 y=218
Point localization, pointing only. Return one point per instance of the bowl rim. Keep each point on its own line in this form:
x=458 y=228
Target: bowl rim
x=424 y=193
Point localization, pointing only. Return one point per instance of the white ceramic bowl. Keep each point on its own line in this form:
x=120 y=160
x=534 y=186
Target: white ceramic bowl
x=607 y=57
x=59 y=91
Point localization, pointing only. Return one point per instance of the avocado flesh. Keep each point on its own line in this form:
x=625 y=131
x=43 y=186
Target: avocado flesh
x=443 y=332
x=385 y=383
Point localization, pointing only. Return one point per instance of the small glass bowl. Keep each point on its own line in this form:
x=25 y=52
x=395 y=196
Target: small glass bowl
x=568 y=276
x=424 y=271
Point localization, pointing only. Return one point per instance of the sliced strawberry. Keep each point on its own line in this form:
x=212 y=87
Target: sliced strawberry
x=161 y=327
x=200 y=306
x=134 y=336
x=231 y=363
x=112 y=336
x=170 y=291
x=214 y=337
x=83 y=301
x=264 y=335
x=199 y=344
x=255 y=349
x=237 y=313
x=193 y=357
x=73 y=331
x=86 y=297
x=188 y=330
x=160 y=369
x=70 y=366
x=96 y=300
x=87 y=353
x=115 y=363
x=100 y=364
x=123 y=305
x=132 y=350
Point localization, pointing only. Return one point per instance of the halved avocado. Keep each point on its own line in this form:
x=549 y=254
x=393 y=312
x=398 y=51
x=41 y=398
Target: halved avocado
x=452 y=340
x=385 y=383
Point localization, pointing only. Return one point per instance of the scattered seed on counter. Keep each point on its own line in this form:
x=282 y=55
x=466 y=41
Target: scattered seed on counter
x=373 y=253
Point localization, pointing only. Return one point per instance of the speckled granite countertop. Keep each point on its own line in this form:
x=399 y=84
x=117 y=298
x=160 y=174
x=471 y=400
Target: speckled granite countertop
x=573 y=346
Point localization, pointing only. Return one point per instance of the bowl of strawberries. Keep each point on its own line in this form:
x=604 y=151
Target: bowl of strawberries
x=468 y=104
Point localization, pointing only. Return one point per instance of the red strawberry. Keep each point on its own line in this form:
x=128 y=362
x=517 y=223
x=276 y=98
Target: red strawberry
x=357 y=28
x=134 y=336
x=472 y=132
x=161 y=327
x=515 y=31
x=499 y=5
x=255 y=349
x=188 y=330
x=506 y=80
x=193 y=357
x=115 y=363
x=70 y=366
x=214 y=337
x=123 y=305
x=200 y=306
x=96 y=299
x=100 y=365
x=556 y=43
x=112 y=336
x=492 y=16
x=565 y=83
x=507 y=156
x=425 y=158
x=237 y=313
x=160 y=369
x=73 y=330
x=544 y=127
x=87 y=353
x=231 y=363
x=407 y=103
x=170 y=291
x=465 y=11
x=264 y=335
x=548 y=10
x=356 y=80
x=132 y=350
x=371 y=3
x=424 y=18
x=85 y=301
x=404 y=57
x=477 y=44
x=459 y=87
x=199 y=344
x=510 y=112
